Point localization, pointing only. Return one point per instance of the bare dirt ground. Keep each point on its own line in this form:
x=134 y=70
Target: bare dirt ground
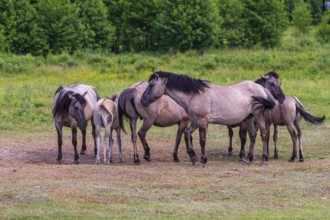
x=33 y=185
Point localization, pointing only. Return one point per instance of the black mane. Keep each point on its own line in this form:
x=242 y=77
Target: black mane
x=180 y=82
x=271 y=74
x=63 y=100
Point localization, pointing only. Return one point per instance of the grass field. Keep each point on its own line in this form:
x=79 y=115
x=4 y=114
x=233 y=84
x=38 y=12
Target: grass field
x=32 y=186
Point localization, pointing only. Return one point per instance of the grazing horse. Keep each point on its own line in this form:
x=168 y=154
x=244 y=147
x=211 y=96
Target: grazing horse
x=289 y=114
x=106 y=115
x=73 y=107
x=206 y=102
x=164 y=112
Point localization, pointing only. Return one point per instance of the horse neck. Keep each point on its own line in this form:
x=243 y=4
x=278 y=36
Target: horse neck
x=180 y=98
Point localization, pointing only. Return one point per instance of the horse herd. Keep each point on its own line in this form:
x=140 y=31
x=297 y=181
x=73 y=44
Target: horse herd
x=168 y=99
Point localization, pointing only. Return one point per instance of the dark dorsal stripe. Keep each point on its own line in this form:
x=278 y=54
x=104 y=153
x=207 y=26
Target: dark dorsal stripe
x=180 y=82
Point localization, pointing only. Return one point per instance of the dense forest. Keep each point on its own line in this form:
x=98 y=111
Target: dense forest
x=40 y=27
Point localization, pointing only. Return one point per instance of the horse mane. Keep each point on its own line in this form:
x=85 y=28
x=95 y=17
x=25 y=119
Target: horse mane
x=63 y=100
x=180 y=82
x=271 y=74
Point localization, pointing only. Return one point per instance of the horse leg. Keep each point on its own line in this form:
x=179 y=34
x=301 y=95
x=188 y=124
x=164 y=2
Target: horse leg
x=83 y=146
x=182 y=127
x=252 y=135
x=132 y=125
x=294 y=141
x=264 y=132
x=108 y=139
x=275 y=138
x=242 y=136
x=118 y=131
x=97 y=141
x=74 y=143
x=202 y=142
x=230 y=147
x=94 y=136
x=142 y=134
x=59 y=142
x=301 y=152
x=188 y=139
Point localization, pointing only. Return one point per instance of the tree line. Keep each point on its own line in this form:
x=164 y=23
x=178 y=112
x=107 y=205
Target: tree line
x=40 y=27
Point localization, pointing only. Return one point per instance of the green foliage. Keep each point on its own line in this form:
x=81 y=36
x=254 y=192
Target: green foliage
x=22 y=33
x=183 y=25
x=265 y=20
x=133 y=22
x=233 y=25
x=61 y=25
x=323 y=32
x=302 y=17
x=97 y=32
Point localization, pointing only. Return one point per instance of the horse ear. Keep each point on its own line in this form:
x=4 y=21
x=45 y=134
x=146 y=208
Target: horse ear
x=71 y=96
x=265 y=77
x=156 y=76
x=84 y=94
x=114 y=96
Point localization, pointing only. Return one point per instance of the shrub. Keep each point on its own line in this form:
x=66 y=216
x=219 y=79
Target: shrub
x=323 y=32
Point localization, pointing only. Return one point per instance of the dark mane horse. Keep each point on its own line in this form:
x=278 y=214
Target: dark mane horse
x=206 y=102
x=163 y=112
x=73 y=107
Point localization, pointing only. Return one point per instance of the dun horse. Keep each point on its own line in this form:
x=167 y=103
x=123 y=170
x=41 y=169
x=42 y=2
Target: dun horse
x=106 y=115
x=73 y=107
x=206 y=102
x=164 y=112
x=289 y=114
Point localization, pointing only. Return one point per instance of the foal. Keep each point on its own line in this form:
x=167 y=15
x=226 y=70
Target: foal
x=106 y=115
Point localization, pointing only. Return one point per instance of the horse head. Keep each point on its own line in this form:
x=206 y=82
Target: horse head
x=77 y=109
x=272 y=82
x=154 y=91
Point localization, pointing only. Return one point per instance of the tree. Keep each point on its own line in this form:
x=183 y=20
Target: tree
x=265 y=22
x=98 y=32
x=133 y=22
x=183 y=25
x=20 y=28
x=232 y=33
x=323 y=31
x=61 y=25
x=301 y=17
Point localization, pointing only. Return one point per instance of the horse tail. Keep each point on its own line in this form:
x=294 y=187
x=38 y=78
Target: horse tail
x=125 y=103
x=103 y=109
x=261 y=103
x=307 y=116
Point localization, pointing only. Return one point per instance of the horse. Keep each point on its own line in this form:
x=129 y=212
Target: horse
x=73 y=107
x=106 y=115
x=163 y=112
x=289 y=114
x=206 y=102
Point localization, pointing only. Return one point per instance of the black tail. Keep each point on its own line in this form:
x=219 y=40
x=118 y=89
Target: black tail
x=259 y=102
x=308 y=117
x=126 y=106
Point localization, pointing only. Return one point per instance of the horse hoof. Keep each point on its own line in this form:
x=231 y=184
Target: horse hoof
x=76 y=162
x=199 y=165
x=203 y=160
x=194 y=160
x=122 y=161
x=301 y=159
x=137 y=162
x=244 y=161
x=58 y=162
x=275 y=157
x=263 y=164
x=291 y=160
x=146 y=157
x=176 y=159
x=229 y=154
